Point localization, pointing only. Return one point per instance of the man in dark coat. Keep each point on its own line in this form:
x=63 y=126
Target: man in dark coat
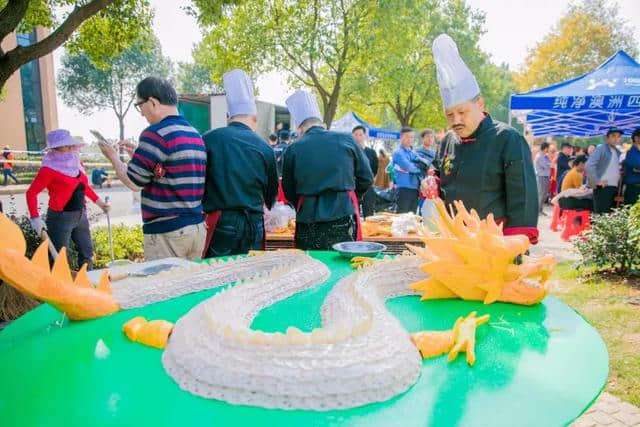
x=485 y=164
x=323 y=174
x=368 y=204
x=241 y=175
x=562 y=167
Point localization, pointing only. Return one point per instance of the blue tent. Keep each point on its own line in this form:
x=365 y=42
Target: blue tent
x=350 y=120
x=587 y=105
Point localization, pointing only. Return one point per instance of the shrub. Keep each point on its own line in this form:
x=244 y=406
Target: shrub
x=612 y=242
x=127 y=244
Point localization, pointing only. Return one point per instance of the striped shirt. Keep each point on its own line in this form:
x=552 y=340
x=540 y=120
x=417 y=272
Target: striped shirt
x=169 y=164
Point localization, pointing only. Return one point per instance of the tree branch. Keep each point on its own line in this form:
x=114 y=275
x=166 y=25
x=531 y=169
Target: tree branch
x=20 y=55
x=11 y=16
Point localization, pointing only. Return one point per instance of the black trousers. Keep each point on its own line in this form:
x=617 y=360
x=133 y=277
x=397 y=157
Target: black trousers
x=603 y=199
x=407 y=200
x=66 y=226
x=573 y=203
x=237 y=232
x=369 y=202
x=321 y=236
x=631 y=193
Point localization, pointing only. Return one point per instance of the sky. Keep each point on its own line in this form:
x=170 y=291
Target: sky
x=513 y=27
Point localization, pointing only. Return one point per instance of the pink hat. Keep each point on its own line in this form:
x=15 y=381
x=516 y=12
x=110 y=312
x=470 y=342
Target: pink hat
x=61 y=138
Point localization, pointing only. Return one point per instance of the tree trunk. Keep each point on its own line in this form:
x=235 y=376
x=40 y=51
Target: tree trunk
x=121 y=123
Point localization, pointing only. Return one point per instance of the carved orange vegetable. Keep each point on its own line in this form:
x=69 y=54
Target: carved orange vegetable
x=471 y=259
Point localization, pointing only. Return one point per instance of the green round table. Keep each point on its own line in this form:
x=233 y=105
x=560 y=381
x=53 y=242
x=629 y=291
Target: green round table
x=536 y=366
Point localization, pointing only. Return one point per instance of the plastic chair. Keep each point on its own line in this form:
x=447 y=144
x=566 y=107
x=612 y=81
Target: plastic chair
x=575 y=222
x=556 y=219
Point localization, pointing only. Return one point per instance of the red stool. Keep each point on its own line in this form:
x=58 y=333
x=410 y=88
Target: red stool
x=556 y=219
x=575 y=222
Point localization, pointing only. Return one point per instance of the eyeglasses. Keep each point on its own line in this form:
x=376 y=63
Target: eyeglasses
x=138 y=104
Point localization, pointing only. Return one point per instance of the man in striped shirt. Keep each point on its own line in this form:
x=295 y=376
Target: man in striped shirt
x=168 y=166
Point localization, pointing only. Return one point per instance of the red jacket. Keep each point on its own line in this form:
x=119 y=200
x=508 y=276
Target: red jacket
x=60 y=188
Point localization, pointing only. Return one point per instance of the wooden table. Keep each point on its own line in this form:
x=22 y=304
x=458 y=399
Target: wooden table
x=395 y=245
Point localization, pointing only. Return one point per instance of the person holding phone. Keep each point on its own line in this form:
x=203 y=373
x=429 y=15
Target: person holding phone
x=63 y=176
x=168 y=167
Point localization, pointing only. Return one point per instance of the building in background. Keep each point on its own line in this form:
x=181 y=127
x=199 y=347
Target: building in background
x=29 y=108
x=206 y=112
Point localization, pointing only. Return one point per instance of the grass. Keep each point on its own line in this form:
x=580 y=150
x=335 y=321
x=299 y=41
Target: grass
x=603 y=301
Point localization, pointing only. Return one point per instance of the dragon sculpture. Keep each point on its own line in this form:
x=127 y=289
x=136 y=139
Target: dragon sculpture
x=361 y=354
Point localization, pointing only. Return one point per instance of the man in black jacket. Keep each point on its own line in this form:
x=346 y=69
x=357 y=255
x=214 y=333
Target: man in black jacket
x=241 y=175
x=368 y=202
x=563 y=163
x=321 y=174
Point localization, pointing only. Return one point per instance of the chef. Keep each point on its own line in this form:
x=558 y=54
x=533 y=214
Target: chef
x=241 y=175
x=323 y=175
x=484 y=163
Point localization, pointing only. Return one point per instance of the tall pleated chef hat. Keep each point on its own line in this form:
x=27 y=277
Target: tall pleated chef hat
x=302 y=105
x=239 y=93
x=457 y=82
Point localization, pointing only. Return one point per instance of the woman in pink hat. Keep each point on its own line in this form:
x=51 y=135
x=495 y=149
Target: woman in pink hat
x=63 y=176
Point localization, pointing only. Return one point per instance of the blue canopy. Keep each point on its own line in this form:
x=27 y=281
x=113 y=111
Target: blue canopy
x=587 y=105
x=347 y=122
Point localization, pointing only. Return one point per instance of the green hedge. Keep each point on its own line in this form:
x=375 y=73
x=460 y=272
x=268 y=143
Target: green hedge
x=613 y=243
x=127 y=243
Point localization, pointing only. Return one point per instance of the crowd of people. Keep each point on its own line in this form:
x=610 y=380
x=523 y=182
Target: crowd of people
x=596 y=178
x=205 y=195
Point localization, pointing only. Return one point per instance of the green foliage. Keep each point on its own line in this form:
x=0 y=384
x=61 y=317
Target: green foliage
x=195 y=79
x=102 y=36
x=372 y=57
x=315 y=43
x=589 y=33
x=398 y=73
x=88 y=87
x=612 y=242
x=127 y=244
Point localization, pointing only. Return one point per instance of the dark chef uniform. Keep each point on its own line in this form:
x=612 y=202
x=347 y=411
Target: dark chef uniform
x=322 y=172
x=491 y=171
x=241 y=178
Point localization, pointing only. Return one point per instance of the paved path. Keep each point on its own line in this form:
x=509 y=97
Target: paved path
x=609 y=411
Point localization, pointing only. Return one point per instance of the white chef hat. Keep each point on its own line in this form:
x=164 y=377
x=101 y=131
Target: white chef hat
x=457 y=82
x=302 y=105
x=239 y=92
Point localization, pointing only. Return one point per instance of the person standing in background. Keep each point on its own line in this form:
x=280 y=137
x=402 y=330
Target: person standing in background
x=632 y=170
x=64 y=178
x=382 y=177
x=543 y=174
x=603 y=172
x=7 y=166
x=562 y=164
x=359 y=133
x=407 y=172
x=323 y=175
x=168 y=167
x=241 y=175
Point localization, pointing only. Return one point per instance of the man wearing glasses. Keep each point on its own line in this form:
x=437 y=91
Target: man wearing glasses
x=168 y=166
